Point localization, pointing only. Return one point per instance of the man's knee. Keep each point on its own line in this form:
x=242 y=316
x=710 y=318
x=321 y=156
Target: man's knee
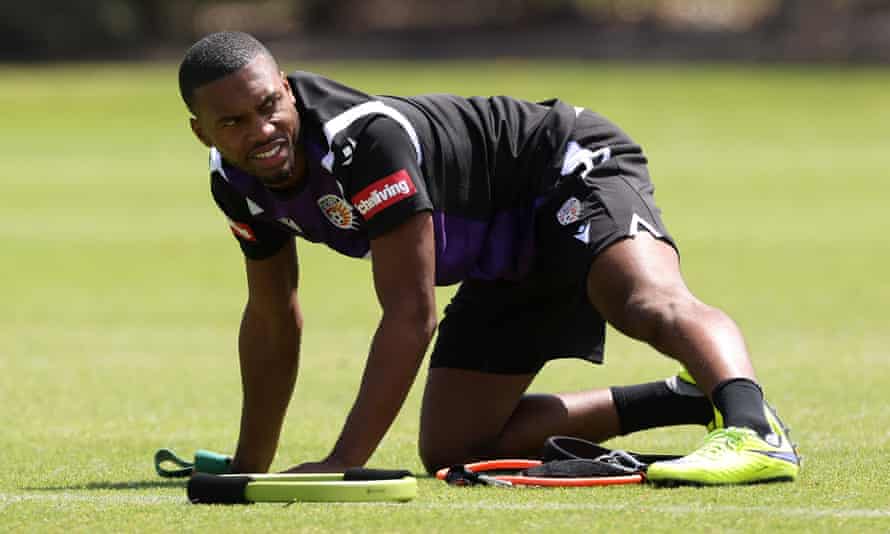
x=432 y=460
x=436 y=457
x=441 y=451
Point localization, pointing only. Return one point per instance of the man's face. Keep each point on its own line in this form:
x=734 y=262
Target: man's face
x=249 y=116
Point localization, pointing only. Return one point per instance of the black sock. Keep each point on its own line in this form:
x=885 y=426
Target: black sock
x=654 y=404
x=740 y=402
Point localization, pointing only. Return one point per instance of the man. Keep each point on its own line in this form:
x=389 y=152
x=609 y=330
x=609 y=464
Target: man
x=544 y=213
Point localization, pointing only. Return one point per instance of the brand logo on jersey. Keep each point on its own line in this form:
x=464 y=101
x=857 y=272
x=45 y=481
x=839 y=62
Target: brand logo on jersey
x=384 y=193
x=241 y=230
x=636 y=222
x=583 y=160
x=569 y=212
x=338 y=211
x=348 y=151
x=254 y=208
x=583 y=233
x=290 y=224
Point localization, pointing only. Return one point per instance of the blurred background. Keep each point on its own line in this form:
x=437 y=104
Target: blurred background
x=766 y=127
x=746 y=30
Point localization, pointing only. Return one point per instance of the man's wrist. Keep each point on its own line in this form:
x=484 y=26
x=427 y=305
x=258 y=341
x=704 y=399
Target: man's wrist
x=344 y=459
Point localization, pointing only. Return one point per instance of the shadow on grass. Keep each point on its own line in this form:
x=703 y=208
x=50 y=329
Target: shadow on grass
x=130 y=485
x=140 y=484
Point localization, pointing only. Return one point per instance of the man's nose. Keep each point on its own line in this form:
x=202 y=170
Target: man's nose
x=263 y=128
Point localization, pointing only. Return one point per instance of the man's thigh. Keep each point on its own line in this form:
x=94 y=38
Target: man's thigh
x=464 y=412
x=515 y=327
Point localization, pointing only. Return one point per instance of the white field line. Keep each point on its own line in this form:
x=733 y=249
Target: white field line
x=9 y=499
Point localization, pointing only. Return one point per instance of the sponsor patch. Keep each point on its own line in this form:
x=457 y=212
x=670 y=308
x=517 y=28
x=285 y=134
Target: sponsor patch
x=569 y=212
x=241 y=230
x=338 y=211
x=384 y=193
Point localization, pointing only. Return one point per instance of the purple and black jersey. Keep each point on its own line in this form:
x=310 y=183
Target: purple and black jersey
x=480 y=165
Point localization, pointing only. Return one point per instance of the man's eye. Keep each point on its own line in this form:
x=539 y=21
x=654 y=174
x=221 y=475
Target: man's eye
x=273 y=101
x=228 y=123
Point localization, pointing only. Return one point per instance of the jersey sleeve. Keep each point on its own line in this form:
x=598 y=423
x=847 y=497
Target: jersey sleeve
x=385 y=183
x=258 y=239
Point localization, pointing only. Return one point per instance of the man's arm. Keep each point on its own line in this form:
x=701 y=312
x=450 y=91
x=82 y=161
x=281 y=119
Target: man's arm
x=404 y=277
x=269 y=345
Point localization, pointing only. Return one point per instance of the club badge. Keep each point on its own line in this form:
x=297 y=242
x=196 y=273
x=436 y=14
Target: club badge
x=569 y=212
x=338 y=212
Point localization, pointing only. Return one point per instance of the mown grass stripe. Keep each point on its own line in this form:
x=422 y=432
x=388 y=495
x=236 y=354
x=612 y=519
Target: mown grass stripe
x=7 y=499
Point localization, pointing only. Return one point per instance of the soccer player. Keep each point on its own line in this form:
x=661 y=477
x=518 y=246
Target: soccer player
x=543 y=212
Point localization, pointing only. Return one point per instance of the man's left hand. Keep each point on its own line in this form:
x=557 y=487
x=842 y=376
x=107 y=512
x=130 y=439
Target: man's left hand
x=325 y=466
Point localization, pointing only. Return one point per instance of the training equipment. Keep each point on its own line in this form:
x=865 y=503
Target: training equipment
x=354 y=485
x=734 y=456
x=508 y=473
x=570 y=448
x=205 y=462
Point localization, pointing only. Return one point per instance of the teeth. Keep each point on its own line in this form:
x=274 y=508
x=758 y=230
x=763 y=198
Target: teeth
x=269 y=153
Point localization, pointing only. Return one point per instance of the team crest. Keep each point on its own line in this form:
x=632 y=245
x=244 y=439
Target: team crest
x=338 y=211
x=569 y=212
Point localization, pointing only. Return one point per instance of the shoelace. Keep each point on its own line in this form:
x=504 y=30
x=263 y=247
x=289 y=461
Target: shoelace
x=720 y=440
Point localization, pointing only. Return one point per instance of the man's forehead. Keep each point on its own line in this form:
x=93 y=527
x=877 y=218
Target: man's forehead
x=245 y=87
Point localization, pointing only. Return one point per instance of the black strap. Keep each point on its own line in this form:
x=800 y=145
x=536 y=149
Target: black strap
x=363 y=473
x=459 y=475
x=204 y=488
x=569 y=448
x=579 y=468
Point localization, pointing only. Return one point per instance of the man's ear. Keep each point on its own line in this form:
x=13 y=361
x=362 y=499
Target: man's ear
x=290 y=90
x=199 y=133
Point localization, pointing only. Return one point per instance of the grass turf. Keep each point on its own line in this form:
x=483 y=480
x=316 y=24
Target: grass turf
x=123 y=290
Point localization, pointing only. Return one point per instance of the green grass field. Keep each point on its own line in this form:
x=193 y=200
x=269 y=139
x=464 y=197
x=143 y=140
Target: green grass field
x=122 y=291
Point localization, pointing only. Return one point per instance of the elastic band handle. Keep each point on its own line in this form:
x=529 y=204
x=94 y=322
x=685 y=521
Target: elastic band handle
x=166 y=455
x=212 y=462
x=205 y=462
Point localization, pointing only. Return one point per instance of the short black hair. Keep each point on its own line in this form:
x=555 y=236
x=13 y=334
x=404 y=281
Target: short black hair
x=213 y=57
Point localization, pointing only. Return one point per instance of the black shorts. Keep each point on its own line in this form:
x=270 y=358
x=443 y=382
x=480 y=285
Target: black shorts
x=515 y=327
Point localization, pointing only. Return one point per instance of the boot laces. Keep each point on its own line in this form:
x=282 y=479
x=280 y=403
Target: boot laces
x=721 y=440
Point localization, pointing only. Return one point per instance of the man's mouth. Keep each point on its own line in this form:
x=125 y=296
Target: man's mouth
x=271 y=155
